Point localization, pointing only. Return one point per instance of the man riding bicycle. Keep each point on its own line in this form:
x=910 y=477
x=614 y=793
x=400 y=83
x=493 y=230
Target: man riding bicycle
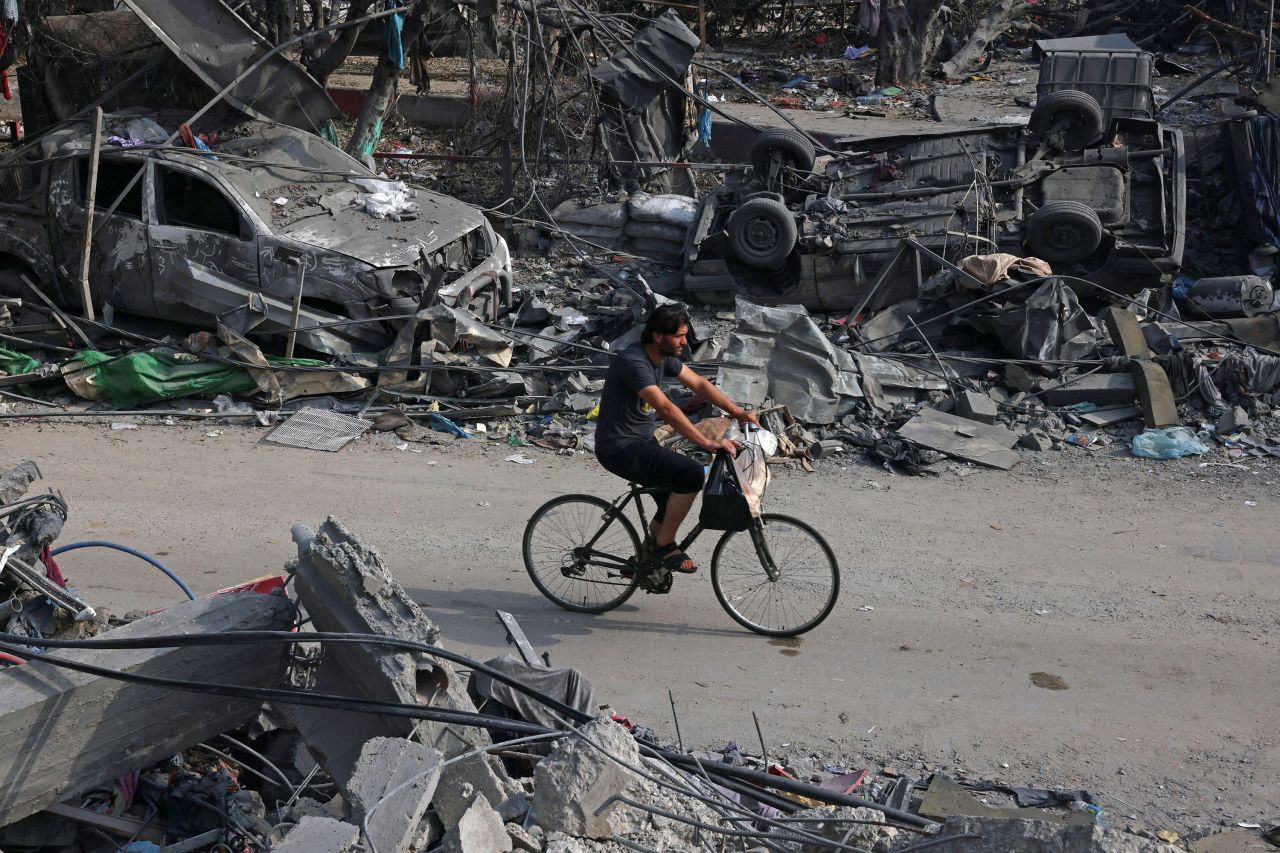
x=629 y=407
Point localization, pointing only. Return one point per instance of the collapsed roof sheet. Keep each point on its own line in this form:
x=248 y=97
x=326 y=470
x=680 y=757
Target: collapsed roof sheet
x=220 y=47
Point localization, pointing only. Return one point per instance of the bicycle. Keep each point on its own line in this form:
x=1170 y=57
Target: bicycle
x=594 y=572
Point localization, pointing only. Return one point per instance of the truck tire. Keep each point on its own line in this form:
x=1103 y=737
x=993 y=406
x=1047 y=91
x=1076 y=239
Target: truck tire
x=762 y=233
x=1078 y=111
x=1063 y=232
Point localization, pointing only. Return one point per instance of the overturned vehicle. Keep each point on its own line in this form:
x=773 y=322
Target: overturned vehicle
x=246 y=225
x=1101 y=204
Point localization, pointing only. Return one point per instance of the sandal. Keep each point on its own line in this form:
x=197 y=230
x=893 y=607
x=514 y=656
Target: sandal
x=676 y=560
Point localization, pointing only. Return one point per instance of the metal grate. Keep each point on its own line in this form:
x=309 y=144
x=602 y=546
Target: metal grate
x=319 y=429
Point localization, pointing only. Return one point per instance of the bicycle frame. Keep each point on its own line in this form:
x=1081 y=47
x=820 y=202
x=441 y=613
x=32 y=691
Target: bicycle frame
x=617 y=508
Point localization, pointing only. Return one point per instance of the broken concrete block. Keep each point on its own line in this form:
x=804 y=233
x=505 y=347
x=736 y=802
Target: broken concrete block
x=480 y=830
x=1000 y=835
x=858 y=827
x=320 y=835
x=1019 y=378
x=1232 y=420
x=1155 y=395
x=1036 y=440
x=345 y=586
x=462 y=781
x=559 y=842
x=976 y=406
x=385 y=765
x=1126 y=333
x=1100 y=388
x=64 y=732
x=522 y=839
x=576 y=779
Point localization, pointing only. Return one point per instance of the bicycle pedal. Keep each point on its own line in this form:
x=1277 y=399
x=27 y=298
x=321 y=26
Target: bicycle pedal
x=655 y=581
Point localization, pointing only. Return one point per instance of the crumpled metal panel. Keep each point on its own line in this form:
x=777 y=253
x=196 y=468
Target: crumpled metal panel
x=219 y=46
x=779 y=353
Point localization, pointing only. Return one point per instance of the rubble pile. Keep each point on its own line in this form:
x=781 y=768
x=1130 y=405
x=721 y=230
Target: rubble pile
x=318 y=712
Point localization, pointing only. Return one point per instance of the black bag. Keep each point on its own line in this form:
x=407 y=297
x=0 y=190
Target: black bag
x=723 y=506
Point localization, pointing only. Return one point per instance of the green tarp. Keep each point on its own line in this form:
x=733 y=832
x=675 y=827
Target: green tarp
x=142 y=377
x=15 y=363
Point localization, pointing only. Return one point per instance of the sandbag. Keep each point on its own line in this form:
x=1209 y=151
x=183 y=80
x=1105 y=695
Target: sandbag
x=562 y=245
x=590 y=232
x=659 y=247
x=611 y=214
x=656 y=231
x=668 y=209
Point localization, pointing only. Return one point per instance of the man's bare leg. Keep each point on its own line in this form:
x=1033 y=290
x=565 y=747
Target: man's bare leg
x=678 y=507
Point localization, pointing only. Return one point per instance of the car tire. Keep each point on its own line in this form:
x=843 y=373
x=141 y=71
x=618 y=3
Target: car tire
x=762 y=233
x=797 y=149
x=1079 y=109
x=797 y=154
x=1063 y=232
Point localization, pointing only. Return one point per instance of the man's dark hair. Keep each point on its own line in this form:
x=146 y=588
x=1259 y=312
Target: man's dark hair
x=665 y=320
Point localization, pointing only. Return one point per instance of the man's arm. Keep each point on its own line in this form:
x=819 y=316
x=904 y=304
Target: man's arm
x=671 y=413
x=701 y=386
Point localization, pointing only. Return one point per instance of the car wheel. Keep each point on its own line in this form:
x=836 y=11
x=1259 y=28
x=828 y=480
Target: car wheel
x=1075 y=115
x=762 y=232
x=796 y=155
x=1063 y=232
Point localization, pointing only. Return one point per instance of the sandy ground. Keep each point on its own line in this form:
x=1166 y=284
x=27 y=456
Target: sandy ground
x=1149 y=590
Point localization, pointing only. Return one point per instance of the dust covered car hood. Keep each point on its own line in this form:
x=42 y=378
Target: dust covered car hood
x=305 y=189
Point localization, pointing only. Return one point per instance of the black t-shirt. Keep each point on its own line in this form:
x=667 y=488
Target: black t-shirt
x=624 y=417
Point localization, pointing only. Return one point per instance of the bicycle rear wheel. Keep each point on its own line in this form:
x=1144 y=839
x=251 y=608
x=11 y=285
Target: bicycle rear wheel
x=561 y=566
x=778 y=578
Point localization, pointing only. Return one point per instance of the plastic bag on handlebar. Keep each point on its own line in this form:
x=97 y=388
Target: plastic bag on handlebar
x=723 y=505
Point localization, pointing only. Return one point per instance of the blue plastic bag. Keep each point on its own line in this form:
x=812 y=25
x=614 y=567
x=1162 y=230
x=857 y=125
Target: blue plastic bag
x=443 y=424
x=1171 y=443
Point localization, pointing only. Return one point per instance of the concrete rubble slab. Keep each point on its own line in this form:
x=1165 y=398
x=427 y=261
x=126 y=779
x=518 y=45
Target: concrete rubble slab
x=1100 y=388
x=345 y=586
x=64 y=732
x=320 y=835
x=480 y=830
x=962 y=438
x=1001 y=835
x=576 y=779
x=385 y=765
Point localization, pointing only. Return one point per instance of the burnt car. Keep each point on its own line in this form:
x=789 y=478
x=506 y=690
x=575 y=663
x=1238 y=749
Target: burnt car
x=237 y=229
x=1101 y=204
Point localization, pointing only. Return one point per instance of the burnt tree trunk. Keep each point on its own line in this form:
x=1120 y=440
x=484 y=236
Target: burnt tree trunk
x=910 y=34
x=386 y=76
x=328 y=60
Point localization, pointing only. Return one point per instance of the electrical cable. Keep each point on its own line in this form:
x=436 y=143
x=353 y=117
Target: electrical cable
x=16 y=644
x=101 y=543
x=258 y=755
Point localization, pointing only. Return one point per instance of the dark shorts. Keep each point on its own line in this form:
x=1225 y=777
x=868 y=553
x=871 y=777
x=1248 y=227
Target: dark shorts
x=655 y=467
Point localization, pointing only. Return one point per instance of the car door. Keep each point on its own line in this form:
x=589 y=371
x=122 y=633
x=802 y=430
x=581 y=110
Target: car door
x=204 y=254
x=119 y=261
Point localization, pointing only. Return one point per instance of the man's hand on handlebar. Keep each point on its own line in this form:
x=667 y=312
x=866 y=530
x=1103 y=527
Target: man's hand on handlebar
x=747 y=417
x=730 y=447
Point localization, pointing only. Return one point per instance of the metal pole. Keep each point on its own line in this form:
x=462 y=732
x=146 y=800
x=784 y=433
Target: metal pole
x=702 y=23
x=1270 y=63
x=86 y=244
x=297 y=309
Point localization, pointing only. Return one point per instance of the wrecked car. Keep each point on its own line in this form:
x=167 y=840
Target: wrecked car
x=237 y=230
x=1106 y=208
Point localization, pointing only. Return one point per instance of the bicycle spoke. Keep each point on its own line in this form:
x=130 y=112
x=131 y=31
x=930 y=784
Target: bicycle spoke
x=797 y=598
x=561 y=565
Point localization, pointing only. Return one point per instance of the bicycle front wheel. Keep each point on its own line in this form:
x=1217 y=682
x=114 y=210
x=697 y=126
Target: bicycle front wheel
x=778 y=578
x=563 y=567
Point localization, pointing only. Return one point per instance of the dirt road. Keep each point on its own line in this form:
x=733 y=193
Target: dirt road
x=1085 y=621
